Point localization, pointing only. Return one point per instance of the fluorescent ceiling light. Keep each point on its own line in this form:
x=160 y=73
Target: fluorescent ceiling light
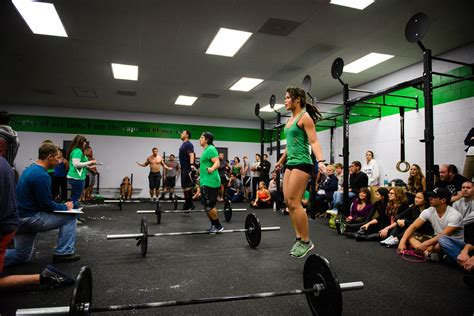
x=41 y=17
x=366 y=62
x=227 y=42
x=267 y=107
x=356 y=4
x=185 y=100
x=246 y=84
x=126 y=72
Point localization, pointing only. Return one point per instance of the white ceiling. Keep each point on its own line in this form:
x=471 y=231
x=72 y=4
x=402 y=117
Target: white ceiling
x=168 y=40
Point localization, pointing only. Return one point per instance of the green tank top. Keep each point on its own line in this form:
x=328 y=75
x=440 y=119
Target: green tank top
x=297 y=146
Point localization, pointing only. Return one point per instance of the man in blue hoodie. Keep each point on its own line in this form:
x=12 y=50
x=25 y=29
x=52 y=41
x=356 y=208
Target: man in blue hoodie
x=36 y=206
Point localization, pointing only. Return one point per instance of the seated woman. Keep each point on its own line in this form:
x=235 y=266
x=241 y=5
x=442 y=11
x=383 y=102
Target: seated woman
x=359 y=211
x=406 y=218
x=325 y=192
x=126 y=189
x=263 y=197
x=377 y=212
x=416 y=183
x=382 y=226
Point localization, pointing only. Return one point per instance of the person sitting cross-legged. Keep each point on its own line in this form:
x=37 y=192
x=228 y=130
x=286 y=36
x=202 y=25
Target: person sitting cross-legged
x=35 y=206
x=446 y=221
x=234 y=191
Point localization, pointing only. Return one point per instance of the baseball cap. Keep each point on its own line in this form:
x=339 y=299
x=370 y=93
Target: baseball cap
x=442 y=193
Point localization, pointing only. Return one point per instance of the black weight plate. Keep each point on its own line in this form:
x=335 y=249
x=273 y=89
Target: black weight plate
x=144 y=238
x=417 y=27
x=175 y=200
x=227 y=210
x=307 y=83
x=337 y=68
x=329 y=301
x=257 y=109
x=253 y=231
x=82 y=292
x=272 y=101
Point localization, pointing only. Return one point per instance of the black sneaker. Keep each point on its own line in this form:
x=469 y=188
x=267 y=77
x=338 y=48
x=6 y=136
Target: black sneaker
x=54 y=277
x=66 y=258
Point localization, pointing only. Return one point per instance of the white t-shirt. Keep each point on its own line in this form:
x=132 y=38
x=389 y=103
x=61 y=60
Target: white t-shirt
x=371 y=169
x=450 y=218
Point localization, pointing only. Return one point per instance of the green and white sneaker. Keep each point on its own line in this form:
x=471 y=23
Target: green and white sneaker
x=295 y=245
x=302 y=249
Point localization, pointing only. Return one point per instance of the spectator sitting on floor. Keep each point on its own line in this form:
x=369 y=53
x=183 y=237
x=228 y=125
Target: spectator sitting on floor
x=397 y=202
x=405 y=218
x=377 y=217
x=445 y=219
x=126 y=189
x=263 y=197
x=452 y=180
x=457 y=250
x=35 y=206
x=234 y=191
x=9 y=220
x=360 y=208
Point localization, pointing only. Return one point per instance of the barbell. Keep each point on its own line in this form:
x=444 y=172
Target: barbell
x=321 y=287
x=158 y=211
x=252 y=230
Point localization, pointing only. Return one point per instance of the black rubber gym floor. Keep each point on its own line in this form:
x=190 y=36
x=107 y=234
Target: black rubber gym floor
x=184 y=267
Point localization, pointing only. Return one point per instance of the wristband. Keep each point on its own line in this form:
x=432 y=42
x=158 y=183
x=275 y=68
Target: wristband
x=322 y=160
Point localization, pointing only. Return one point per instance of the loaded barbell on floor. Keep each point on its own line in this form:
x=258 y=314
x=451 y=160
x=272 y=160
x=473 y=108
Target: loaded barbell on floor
x=321 y=287
x=252 y=230
x=120 y=202
x=158 y=211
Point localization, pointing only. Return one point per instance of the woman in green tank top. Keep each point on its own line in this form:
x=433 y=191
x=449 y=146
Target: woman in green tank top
x=300 y=131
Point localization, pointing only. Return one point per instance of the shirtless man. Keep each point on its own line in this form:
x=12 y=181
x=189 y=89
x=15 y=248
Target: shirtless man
x=155 y=162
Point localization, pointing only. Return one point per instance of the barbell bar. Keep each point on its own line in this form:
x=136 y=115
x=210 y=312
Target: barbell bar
x=252 y=230
x=321 y=287
x=158 y=211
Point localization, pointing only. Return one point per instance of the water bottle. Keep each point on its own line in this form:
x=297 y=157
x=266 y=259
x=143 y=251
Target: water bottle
x=385 y=181
x=274 y=206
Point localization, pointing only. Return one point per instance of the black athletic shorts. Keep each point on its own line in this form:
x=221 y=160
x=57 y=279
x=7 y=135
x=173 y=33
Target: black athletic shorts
x=187 y=180
x=305 y=167
x=209 y=196
x=170 y=182
x=154 y=180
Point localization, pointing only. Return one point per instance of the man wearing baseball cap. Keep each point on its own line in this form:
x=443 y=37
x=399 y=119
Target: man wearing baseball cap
x=446 y=221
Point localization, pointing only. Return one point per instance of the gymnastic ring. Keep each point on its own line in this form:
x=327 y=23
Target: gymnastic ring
x=407 y=166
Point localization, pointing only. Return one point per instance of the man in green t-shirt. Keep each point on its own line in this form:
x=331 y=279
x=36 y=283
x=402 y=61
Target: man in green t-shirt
x=210 y=181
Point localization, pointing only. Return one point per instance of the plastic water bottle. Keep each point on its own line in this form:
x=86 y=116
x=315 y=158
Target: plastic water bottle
x=274 y=206
x=385 y=181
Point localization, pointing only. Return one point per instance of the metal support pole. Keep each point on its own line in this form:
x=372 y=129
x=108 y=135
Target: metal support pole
x=429 y=134
x=331 y=144
x=345 y=148
x=262 y=137
x=278 y=144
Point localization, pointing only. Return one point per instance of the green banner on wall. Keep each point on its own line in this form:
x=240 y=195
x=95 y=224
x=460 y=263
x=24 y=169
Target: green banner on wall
x=51 y=124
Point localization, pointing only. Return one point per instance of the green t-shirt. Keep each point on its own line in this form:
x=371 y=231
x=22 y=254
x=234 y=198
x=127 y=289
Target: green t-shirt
x=209 y=180
x=77 y=173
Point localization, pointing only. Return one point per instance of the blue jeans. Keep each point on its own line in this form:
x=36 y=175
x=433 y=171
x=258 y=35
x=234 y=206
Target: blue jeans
x=451 y=247
x=42 y=222
x=77 y=186
x=337 y=198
